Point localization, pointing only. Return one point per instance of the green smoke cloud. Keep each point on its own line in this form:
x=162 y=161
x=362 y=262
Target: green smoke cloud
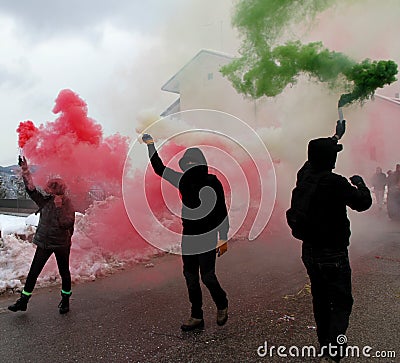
x=265 y=68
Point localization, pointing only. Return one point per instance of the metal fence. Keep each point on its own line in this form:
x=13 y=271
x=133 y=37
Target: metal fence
x=17 y=205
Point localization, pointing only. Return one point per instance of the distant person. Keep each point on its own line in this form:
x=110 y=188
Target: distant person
x=396 y=176
x=393 y=193
x=390 y=180
x=204 y=217
x=318 y=217
x=53 y=235
x=378 y=182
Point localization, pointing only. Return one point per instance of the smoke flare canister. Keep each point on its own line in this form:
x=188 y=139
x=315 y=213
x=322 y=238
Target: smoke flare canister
x=340 y=111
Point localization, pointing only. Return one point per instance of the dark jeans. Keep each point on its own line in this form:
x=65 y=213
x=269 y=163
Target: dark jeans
x=205 y=262
x=330 y=277
x=40 y=259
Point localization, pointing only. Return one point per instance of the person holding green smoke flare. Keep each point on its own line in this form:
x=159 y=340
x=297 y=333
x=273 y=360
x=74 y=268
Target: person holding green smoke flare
x=318 y=217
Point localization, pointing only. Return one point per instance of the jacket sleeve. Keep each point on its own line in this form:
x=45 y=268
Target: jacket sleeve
x=66 y=215
x=30 y=188
x=160 y=169
x=222 y=211
x=357 y=198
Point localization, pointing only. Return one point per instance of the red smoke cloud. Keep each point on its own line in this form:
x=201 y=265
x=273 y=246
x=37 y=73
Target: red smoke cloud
x=26 y=130
x=73 y=148
x=378 y=144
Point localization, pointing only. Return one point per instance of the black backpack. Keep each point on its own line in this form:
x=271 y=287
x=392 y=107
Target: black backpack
x=298 y=215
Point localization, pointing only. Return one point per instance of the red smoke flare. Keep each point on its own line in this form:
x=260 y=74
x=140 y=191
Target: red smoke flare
x=26 y=130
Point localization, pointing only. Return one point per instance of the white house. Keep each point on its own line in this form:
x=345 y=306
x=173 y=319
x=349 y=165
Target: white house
x=200 y=84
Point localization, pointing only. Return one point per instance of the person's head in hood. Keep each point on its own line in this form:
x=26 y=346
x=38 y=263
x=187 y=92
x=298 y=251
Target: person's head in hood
x=193 y=162
x=322 y=153
x=55 y=186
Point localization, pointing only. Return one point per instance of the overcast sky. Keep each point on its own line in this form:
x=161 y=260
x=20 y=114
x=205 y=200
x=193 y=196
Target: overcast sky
x=115 y=54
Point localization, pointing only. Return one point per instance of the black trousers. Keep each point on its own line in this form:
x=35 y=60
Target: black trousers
x=330 y=277
x=205 y=263
x=40 y=259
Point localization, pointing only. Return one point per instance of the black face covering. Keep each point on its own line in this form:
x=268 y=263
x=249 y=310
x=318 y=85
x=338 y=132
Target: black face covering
x=322 y=153
x=193 y=163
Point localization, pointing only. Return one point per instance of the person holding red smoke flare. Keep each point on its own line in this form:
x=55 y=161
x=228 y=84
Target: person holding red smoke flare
x=53 y=235
x=204 y=216
x=318 y=217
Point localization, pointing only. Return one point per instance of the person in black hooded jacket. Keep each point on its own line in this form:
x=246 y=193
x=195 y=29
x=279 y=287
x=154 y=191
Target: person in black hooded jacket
x=326 y=237
x=53 y=235
x=204 y=221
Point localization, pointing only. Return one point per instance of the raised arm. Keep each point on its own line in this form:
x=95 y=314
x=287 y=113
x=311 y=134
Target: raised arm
x=159 y=168
x=340 y=130
x=33 y=193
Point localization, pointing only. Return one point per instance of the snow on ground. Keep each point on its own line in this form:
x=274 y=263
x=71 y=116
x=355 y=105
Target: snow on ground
x=11 y=224
x=87 y=260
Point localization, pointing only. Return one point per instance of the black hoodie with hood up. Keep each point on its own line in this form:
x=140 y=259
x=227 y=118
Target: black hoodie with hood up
x=329 y=228
x=204 y=210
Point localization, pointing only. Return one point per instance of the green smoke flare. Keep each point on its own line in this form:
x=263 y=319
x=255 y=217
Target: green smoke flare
x=265 y=70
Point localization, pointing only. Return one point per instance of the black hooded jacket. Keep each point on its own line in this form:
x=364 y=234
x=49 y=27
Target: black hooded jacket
x=329 y=225
x=203 y=201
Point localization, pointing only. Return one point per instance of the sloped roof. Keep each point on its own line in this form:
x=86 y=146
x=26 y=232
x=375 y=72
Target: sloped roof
x=390 y=99
x=173 y=108
x=172 y=85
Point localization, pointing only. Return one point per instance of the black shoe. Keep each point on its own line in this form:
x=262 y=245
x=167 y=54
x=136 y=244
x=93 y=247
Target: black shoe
x=21 y=304
x=193 y=324
x=222 y=316
x=64 y=303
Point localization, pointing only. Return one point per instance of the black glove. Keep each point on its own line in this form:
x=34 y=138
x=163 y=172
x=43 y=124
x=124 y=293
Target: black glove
x=22 y=163
x=147 y=139
x=340 y=128
x=357 y=181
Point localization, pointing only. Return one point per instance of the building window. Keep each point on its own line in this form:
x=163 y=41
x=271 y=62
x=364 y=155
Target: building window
x=210 y=76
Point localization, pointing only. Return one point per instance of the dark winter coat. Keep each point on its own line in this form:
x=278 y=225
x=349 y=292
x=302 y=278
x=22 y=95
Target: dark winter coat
x=329 y=225
x=56 y=225
x=203 y=201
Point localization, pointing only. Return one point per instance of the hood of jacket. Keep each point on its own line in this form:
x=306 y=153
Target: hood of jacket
x=322 y=153
x=194 y=163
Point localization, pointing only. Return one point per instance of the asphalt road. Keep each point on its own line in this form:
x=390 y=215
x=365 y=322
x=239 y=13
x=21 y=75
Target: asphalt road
x=135 y=315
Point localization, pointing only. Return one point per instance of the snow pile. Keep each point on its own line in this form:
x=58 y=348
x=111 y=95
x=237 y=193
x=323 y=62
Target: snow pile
x=15 y=258
x=11 y=224
x=89 y=259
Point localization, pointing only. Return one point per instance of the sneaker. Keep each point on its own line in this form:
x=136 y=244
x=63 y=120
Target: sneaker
x=222 y=316
x=193 y=324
